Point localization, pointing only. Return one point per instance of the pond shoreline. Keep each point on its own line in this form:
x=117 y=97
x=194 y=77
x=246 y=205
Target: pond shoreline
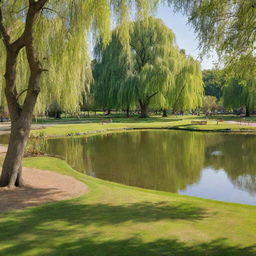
x=113 y=130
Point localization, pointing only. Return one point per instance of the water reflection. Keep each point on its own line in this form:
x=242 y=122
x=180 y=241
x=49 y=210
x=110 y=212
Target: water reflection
x=208 y=165
x=171 y=161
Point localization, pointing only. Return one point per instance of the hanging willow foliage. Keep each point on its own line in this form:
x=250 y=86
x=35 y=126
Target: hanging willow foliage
x=238 y=94
x=240 y=87
x=226 y=25
x=50 y=35
x=61 y=42
x=153 y=73
x=189 y=91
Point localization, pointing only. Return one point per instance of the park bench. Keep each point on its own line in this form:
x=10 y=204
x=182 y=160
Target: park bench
x=200 y=122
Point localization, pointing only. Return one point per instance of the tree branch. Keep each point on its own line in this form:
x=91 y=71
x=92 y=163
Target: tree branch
x=3 y=31
x=51 y=10
x=152 y=95
x=34 y=64
x=17 y=97
x=177 y=99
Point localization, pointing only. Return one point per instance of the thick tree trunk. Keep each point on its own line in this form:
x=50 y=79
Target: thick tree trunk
x=58 y=114
x=247 y=111
x=107 y=112
x=128 y=111
x=165 y=113
x=20 y=115
x=12 y=167
x=144 y=110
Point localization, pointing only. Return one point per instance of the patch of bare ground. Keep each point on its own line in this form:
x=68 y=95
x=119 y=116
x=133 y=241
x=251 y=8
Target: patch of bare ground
x=41 y=186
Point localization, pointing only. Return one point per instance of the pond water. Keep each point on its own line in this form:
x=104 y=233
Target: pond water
x=208 y=165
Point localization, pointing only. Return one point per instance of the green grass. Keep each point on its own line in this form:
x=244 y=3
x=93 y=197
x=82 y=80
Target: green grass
x=114 y=219
x=179 y=122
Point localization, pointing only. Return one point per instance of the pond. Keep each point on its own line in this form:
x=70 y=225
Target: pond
x=207 y=165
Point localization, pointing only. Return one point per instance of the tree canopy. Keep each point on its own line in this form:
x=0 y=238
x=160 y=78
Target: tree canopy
x=61 y=43
x=238 y=94
x=214 y=81
x=154 y=72
x=44 y=48
x=226 y=25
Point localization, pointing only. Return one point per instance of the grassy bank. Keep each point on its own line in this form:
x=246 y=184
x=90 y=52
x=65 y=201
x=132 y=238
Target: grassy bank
x=114 y=219
x=102 y=125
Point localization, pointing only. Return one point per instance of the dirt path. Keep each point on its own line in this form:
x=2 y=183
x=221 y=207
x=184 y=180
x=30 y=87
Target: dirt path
x=252 y=124
x=41 y=186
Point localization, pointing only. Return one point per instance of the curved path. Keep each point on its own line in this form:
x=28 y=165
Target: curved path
x=252 y=124
x=41 y=186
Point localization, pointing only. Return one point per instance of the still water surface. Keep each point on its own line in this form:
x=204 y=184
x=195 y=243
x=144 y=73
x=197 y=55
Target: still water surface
x=207 y=165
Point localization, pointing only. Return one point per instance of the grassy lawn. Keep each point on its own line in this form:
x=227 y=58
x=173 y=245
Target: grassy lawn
x=177 y=122
x=114 y=219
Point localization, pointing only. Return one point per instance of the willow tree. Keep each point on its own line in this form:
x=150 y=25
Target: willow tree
x=188 y=91
x=238 y=94
x=240 y=88
x=142 y=73
x=226 y=25
x=44 y=49
x=110 y=70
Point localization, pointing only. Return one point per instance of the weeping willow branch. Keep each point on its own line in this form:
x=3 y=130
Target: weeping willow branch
x=51 y=10
x=151 y=96
x=178 y=97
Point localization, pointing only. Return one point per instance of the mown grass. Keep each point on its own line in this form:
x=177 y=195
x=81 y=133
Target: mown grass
x=174 y=122
x=114 y=219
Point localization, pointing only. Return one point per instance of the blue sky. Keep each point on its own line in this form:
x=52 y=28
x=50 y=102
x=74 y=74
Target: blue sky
x=185 y=36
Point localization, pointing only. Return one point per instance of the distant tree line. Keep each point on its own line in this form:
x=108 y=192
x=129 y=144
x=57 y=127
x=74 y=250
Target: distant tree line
x=230 y=91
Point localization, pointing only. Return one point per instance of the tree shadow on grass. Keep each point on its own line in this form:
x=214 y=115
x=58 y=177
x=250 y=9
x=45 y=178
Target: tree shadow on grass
x=74 y=213
x=64 y=229
x=104 y=214
x=162 y=247
x=134 y=246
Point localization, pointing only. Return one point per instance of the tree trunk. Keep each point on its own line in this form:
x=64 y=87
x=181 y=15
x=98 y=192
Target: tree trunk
x=12 y=167
x=144 y=110
x=20 y=115
x=108 y=112
x=128 y=111
x=165 y=113
x=247 y=113
x=58 y=114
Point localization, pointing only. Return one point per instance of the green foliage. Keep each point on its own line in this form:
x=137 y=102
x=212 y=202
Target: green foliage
x=188 y=91
x=239 y=93
x=210 y=104
x=226 y=25
x=36 y=146
x=213 y=82
x=61 y=42
x=153 y=72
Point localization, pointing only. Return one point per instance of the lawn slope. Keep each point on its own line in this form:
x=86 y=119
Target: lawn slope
x=114 y=219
